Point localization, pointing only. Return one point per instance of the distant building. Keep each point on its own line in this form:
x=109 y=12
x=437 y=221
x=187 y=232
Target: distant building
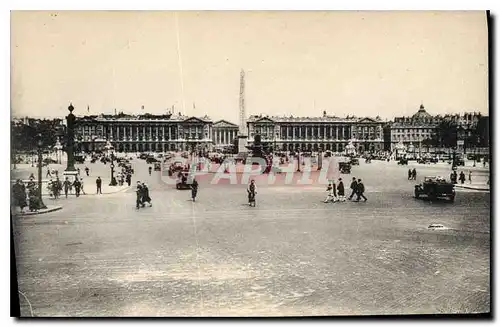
x=224 y=133
x=415 y=129
x=143 y=133
x=317 y=133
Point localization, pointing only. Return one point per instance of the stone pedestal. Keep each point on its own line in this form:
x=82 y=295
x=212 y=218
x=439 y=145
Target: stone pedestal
x=242 y=144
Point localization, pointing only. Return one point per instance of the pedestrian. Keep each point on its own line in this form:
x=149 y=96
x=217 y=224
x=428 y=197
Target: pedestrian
x=87 y=170
x=194 y=189
x=19 y=194
x=145 y=195
x=354 y=186
x=470 y=177
x=330 y=197
x=341 y=191
x=360 y=189
x=78 y=170
x=66 y=186
x=81 y=186
x=252 y=191
x=462 y=177
x=409 y=174
x=57 y=188
x=138 y=199
x=150 y=169
x=129 y=179
x=48 y=173
x=414 y=174
x=98 y=183
x=77 y=186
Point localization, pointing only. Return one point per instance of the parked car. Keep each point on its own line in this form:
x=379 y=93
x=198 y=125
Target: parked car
x=435 y=187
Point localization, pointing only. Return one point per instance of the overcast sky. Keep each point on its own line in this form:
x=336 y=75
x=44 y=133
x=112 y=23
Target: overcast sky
x=297 y=63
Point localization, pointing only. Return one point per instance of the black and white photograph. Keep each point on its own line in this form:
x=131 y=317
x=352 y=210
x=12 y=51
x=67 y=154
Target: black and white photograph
x=250 y=163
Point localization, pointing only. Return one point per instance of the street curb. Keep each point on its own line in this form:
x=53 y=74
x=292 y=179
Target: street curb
x=472 y=188
x=40 y=212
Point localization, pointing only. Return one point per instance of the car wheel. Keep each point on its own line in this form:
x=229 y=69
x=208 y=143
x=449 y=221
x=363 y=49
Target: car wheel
x=417 y=194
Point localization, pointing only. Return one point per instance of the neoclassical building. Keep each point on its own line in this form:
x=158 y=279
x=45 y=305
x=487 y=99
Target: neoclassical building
x=143 y=133
x=224 y=133
x=415 y=129
x=317 y=133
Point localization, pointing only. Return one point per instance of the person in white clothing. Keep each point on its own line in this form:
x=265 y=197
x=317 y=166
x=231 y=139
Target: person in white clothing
x=331 y=196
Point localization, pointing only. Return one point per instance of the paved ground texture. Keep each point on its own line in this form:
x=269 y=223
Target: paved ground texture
x=291 y=255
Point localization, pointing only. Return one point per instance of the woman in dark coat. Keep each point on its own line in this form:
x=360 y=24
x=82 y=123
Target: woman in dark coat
x=145 y=195
x=138 y=199
x=341 y=190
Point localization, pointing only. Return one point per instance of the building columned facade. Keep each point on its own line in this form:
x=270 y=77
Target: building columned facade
x=317 y=133
x=144 y=133
x=224 y=133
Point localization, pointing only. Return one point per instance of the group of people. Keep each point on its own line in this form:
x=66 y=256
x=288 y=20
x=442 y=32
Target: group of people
x=56 y=186
x=142 y=196
x=412 y=174
x=336 y=192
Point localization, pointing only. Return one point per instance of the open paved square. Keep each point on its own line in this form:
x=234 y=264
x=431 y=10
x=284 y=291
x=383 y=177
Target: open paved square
x=290 y=255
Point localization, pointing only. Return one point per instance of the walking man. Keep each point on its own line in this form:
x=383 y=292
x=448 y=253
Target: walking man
x=360 y=190
x=409 y=174
x=470 y=177
x=414 y=174
x=341 y=191
x=194 y=189
x=66 y=186
x=87 y=170
x=462 y=177
x=150 y=169
x=354 y=186
x=98 y=183
x=252 y=191
x=77 y=186
x=48 y=173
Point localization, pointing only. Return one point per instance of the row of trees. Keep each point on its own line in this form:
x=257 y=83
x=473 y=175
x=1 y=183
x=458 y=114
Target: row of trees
x=449 y=132
x=24 y=135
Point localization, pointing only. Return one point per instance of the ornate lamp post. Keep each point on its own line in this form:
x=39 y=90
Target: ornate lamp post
x=40 y=163
x=298 y=160
x=113 y=179
x=70 y=140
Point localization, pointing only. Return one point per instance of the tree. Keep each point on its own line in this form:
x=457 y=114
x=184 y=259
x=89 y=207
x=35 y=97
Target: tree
x=446 y=133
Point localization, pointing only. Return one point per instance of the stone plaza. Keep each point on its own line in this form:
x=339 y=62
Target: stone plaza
x=291 y=255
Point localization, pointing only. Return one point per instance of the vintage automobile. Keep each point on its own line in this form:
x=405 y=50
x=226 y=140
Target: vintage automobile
x=403 y=161
x=435 y=187
x=344 y=167
x=427 y=160
x=175 y=167
x=150 y=160
x=182 y=181
x=157 y=166
x=354 y=161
